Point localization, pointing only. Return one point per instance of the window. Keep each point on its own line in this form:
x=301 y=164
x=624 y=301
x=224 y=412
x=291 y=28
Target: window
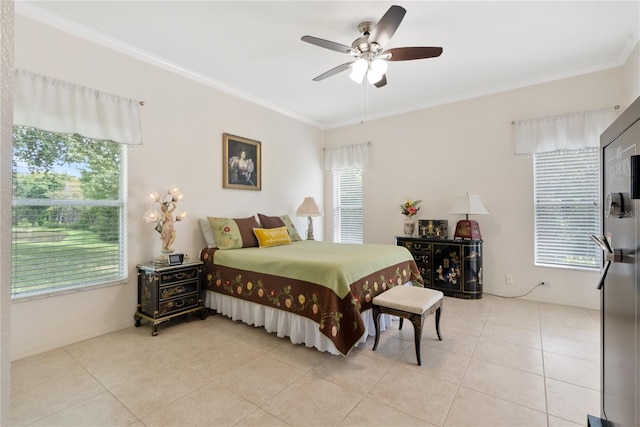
x=566 y=208
x=347 y=163
x=347 y=202
x=69 y=212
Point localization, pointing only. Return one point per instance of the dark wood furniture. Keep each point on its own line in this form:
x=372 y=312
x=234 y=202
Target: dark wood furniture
x=168 y=291
x=408 y=302
x=451 y=266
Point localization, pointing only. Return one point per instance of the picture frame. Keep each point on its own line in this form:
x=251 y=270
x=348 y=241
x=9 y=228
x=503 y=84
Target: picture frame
x=241 y=163
x=176 y=259
x=433 y=228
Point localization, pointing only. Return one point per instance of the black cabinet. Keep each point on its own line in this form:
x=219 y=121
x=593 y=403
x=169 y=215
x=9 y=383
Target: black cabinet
x=168 y=291
x=451 y=266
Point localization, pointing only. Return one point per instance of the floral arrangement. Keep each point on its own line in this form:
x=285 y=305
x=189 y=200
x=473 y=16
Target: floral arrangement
x=410 y=207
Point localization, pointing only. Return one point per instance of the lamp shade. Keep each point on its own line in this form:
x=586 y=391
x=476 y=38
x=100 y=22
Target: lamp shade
x=309 y=207
x=376 y=70
x=468 y=204
x=358 y=70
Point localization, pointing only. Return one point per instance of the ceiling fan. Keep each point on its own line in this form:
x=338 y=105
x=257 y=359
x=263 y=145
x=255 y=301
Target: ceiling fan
x=371 y=59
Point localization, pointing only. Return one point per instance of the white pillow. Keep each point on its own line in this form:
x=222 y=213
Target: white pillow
x=207 y=232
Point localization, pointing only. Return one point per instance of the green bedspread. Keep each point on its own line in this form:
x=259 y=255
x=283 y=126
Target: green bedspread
x=331 y=265
x=329 y=283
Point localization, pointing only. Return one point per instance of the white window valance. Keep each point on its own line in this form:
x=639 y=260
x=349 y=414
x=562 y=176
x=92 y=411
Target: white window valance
x=53 y=105
x=346 y=157
x=572 y=131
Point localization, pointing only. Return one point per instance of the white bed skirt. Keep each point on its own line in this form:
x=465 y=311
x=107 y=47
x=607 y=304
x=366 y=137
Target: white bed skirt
x=299 y=329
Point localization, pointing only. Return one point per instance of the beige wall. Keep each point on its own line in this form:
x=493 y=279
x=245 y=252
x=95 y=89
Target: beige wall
x=182 y=123
x=439 y=153
x=631 y=73
x=433 y=154
x=6 y=123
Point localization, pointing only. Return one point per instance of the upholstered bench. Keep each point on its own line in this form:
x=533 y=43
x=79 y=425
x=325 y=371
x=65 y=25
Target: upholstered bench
x=408 y=302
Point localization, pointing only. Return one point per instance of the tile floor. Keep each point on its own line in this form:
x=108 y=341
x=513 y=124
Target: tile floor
x=502 y=362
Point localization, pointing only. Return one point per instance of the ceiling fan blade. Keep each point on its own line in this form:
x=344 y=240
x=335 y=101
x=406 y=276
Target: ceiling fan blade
x=333 y=71
x=408 y=53
x=381 y=82
x=387 y=26
x=338 y=47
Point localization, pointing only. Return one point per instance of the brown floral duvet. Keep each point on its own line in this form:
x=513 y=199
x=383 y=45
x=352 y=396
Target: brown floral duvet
x=329 y=283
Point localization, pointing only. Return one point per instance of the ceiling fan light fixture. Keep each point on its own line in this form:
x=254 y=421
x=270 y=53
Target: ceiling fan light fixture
x=377 y=68
x=358 y=70
x=373 y=77
x=368 y=49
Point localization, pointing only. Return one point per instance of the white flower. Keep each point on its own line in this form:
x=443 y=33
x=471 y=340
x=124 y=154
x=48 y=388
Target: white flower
x=151 y=216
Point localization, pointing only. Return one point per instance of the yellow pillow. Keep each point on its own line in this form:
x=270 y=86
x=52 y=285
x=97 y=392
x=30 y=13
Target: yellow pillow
x=272 y=236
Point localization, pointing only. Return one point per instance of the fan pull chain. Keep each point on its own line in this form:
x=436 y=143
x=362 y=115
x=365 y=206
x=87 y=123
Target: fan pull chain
x=361 y=104
x=364 y=103
x=364 y=110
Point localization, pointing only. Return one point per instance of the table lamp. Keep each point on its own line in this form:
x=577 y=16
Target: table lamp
x=309 y=208
x=468 y=204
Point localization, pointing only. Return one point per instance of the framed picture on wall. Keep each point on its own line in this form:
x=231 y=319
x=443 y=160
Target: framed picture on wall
x=241 y=163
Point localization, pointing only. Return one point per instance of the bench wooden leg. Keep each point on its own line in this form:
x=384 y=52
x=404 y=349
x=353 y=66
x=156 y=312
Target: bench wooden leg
x=376 y=321
x=438 y=322
x=417 y=322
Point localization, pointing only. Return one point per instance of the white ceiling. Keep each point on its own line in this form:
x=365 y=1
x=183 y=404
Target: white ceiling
x=252 y=49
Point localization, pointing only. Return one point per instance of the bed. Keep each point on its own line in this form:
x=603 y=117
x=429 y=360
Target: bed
x=313 y=292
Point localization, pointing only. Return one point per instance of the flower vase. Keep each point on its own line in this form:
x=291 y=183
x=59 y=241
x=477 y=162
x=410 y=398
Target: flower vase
x=409 y=226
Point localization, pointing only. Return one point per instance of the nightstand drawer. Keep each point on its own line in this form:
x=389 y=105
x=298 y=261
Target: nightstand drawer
x=167 y=292
x=178 y=304
x=174 y=276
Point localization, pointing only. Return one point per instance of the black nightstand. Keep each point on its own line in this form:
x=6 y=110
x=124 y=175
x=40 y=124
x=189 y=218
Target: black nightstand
x=168 y=291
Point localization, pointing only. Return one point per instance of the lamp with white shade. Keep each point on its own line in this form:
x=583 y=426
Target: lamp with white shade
x=468 y=204
x=309 y=208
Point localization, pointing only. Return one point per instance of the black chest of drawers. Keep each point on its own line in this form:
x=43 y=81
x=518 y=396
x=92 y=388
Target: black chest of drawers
x=451 y=266
x=168 y=291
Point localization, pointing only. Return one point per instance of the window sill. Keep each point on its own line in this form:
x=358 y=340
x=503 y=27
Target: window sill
x=65 y=291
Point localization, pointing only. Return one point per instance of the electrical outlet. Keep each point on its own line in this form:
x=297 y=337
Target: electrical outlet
x=508 y=279
x=543 y=283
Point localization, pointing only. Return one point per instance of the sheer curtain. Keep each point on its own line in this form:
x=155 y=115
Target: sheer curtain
x=572 y=131
x=346 y=157
x=53 y=105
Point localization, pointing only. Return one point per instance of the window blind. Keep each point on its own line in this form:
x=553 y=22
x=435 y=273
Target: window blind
x=348 y=214
x=567 y=208
x=68 y=215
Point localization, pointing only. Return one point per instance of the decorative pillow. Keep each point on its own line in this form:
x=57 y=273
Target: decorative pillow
x=207 y=232
x=234 y=233
x=270 y=221
x=280 y=221
x=293 y=233
x=268 y=237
